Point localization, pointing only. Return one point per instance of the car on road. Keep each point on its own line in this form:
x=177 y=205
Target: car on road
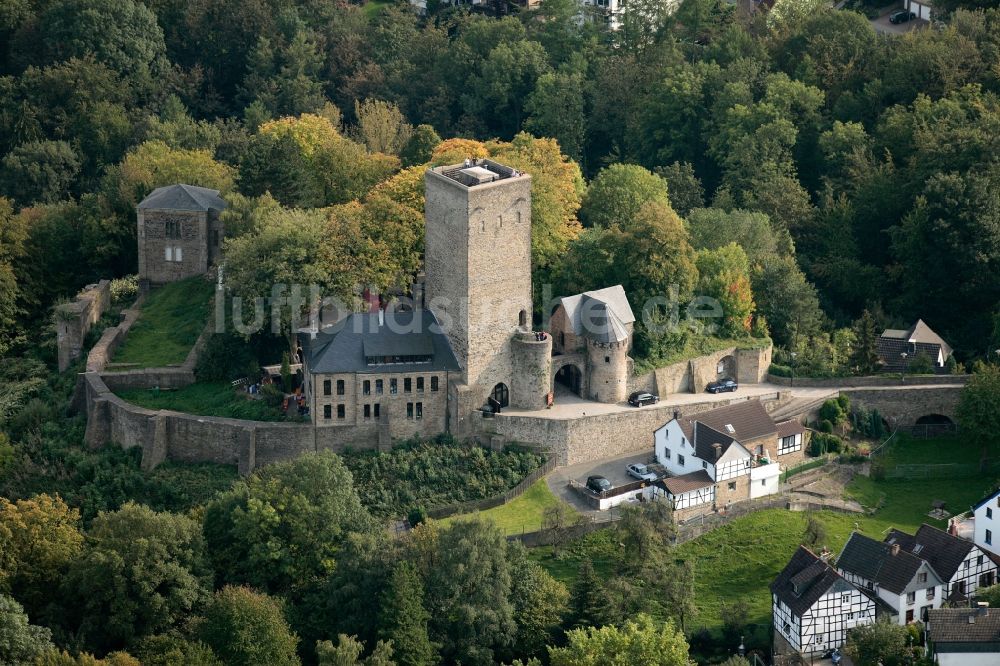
x=598 y=484
x=722 y=386
x=640 y=398
x=641 y=472
x=902 y=16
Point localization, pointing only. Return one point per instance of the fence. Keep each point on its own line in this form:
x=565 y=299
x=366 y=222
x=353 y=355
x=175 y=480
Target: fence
x=938 y=471
x=496 y=500
x=804 y=467
x=928 y=430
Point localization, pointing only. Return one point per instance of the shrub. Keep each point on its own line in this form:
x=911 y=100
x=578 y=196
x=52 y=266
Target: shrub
x=845 y=403
x=417 y=516
x=780 y=370
x=272 y=395
x=124 y=289
x=831 y=412
x=817 y=446
x=826 y=426
x=226 y=357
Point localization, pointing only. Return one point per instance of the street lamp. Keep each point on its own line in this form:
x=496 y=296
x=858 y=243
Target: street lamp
x=742 y=649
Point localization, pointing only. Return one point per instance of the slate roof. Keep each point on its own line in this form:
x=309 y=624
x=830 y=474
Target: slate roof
x=183 y=197
x=678 y=485
x=804 y=580
x=944 y=552
x=873 y=560
x=988 y=498
x=343 y=347
x=748 y=419
x=789 y=428
x=951 y=625
x=893 y=343
x=602 y=313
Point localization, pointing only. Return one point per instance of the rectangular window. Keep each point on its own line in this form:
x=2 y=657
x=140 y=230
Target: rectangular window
x=375 y=410
x=420 y=384
x=921 y=578
x=168 y=253
x=340 y=387
x=172 y=229
x=368 y=411
x=989 y=537
x=930 y=593
x=732 y=485
x=845 y=598
x=979 y=560
x=911 y=597
x=763 y=482
x=680 y=460
x=393 y=386
x=434 y=383
x=366 y=387
x=666 y=453
x=789 y=444
x=989 y=512
x=409 y=410
x=327 y=411
x=407 y=385
x=341 y=412
x=326 y=387
x=420 y=410
x=178 y=254
x=607 y=359
x=378 y=387
x=965 y=564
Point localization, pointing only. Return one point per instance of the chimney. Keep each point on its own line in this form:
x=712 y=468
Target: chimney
x=895 y=549
x=824 y=555
x=982 y=608
x=677 y=414
x=717 y=448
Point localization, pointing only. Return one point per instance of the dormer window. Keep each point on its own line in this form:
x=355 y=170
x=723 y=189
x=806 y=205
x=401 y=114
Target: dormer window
x=730 y=429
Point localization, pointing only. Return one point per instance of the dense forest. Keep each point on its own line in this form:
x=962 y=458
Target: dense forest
x=817 y=179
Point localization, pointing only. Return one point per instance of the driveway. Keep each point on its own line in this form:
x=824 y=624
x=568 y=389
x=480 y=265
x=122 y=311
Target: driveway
x=613 y=469
x=882 y=25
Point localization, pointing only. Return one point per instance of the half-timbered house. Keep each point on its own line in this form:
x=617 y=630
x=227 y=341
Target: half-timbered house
x=737 y=447
x=959 y=562
x=688 y=493
x=814 y=607
x=905 y=583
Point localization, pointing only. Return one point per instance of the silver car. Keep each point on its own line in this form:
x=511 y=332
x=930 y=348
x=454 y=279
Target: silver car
x=641 y=472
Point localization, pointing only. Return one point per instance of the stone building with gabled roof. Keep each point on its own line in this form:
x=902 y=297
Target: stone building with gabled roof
x=814 y=606
x=179 y=232
x=897 y=348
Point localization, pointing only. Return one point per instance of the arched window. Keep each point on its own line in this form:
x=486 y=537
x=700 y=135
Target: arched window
x=522 y=318
x=501 y=394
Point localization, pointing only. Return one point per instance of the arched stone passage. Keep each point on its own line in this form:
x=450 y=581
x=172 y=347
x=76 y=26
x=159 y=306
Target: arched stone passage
x=934 y=419
x=570 y=377
x=726 y=367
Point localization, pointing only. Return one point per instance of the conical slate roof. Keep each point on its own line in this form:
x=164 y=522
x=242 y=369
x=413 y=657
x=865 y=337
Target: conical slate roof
x=600 y=323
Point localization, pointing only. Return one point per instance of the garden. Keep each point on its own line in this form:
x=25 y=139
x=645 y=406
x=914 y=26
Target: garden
x=219 y=399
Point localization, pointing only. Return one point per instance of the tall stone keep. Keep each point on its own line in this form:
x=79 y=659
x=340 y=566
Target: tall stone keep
x=478 y=265
x=179 y=232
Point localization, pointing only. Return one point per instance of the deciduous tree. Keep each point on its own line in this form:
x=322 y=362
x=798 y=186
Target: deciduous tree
x=246 y=628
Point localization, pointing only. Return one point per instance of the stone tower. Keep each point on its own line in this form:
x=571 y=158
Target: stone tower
x=607 y=351
x=179 y=232
x=478 y=263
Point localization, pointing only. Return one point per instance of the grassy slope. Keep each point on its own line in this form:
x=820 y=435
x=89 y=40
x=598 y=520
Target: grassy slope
x=205 y=399
x=171 y=320
x=932 y=451
x=523 y=514
x=742 y=558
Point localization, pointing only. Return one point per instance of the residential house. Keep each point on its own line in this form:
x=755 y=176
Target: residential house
x=907 y=585
x=959 y=562
x=814 y=607
x=739 y=449
x=986 y=525
x=964 y=636
x=897 y=348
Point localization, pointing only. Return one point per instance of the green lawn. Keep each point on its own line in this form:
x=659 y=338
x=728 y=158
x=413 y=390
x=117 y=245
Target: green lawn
x=523 y=514
x=171 y=320
x=933 y=451
x=205 y=399
x=742 y=558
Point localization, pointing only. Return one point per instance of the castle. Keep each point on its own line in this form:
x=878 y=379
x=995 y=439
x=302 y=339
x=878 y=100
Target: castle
x=462 y=348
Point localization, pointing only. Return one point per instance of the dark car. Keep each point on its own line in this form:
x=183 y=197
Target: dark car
x=598 y=484
x=723 y=386
x=902 y=16
x=640 y=398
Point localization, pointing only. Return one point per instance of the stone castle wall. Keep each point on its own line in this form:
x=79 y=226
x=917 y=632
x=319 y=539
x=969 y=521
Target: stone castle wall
x=592 y=437
x=75 y=319
x=749 y=366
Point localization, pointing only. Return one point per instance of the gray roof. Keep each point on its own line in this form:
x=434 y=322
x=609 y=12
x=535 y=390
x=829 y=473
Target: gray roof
x=893 y=343
x=345 y=346
x=805 y=579
x=748 y=419
x=953 y=625
x=943 y=551
x=183 y=197
x=873 y=560
x=588 y=312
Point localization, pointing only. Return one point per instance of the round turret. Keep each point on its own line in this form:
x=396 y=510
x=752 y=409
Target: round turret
x=532 y=377
x=607 y=368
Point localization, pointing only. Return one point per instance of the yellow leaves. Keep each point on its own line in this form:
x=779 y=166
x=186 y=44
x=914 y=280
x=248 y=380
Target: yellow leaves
x=309 y=131
x=454 y=151
x=155 y=164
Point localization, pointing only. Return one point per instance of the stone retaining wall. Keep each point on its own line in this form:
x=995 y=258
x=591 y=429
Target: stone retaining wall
x=102 y=352
x=74 y=320
x=584 y=438
x=747 y=366
x=874 y=380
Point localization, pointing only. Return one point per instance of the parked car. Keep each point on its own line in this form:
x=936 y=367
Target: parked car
x=723 y=386
x=834 y=656
x=641 y=472
x=640 y=398
x=902 y=16
x=598 y=484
